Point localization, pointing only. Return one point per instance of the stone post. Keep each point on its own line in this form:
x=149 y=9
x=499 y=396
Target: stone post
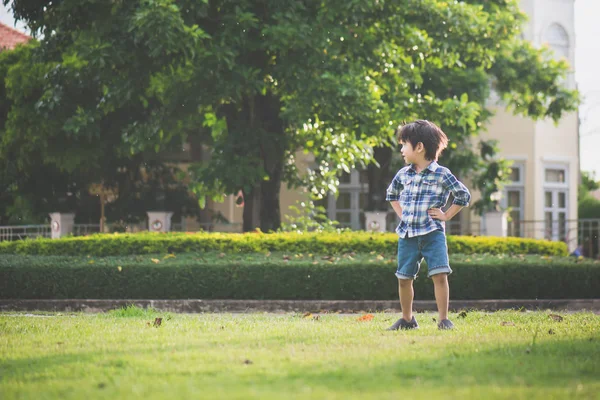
x=61 y=224
x=375 y=221
x=495 y=223
x=159 y=221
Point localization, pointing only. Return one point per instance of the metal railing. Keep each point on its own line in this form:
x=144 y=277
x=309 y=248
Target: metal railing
x=20 y=232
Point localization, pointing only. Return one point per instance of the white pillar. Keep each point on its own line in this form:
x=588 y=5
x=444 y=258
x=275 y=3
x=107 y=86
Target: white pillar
x=495 y=223
x=61 y=224
x=375 y=221
x=159 y=221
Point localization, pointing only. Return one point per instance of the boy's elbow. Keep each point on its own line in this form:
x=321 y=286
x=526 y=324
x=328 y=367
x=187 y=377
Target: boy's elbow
x=463 y=200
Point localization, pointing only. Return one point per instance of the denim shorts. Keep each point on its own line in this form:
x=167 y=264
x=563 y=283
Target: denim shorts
x=431 y=246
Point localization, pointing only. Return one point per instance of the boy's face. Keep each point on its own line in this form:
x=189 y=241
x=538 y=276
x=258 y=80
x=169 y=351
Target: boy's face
x=408 y=153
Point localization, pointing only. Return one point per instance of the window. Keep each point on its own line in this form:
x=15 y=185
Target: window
x=513 y=199
x=348 y=207
x=554 y=175
x=555 y=203
x=558 y=39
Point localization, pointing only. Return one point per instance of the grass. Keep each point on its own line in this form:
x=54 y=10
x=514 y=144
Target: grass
x=121 y=354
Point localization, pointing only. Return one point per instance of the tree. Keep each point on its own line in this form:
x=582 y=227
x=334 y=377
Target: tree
x=588 y=206
x=46 y=168
x=260 y=80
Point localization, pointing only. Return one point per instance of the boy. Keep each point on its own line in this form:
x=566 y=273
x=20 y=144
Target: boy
x=417 y=194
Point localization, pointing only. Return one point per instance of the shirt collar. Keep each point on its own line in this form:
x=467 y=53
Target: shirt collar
x=432 y=167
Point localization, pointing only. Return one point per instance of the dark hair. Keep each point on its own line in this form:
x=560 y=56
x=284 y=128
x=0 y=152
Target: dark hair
x=421 y=131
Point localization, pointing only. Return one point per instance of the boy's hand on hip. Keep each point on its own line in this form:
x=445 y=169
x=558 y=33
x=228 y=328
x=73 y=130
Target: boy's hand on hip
x=437 y=213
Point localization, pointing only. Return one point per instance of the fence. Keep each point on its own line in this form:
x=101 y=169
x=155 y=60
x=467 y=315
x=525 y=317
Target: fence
x=20 y=232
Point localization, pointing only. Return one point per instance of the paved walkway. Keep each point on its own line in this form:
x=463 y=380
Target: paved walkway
x=275 y=306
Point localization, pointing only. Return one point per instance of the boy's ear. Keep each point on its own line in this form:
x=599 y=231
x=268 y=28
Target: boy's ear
x=420 y=146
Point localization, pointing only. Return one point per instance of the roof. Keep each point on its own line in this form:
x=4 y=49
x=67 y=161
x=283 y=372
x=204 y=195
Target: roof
x=10 y=37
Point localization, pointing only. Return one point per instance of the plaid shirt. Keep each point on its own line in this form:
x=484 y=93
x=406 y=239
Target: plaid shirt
x=419 y=192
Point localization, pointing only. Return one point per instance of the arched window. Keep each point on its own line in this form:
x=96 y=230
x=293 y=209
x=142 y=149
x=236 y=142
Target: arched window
x=558 y=39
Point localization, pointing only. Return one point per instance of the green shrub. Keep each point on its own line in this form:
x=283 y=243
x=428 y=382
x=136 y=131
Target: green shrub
x=323 y=243
x=505 y=278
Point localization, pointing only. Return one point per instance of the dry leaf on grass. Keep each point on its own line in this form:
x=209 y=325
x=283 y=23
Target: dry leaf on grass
x=556 y=317
x=155 y=260
x=157 y=322
x=366 y=317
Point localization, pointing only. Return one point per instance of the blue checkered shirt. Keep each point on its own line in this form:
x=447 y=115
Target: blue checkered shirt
x=418 y=192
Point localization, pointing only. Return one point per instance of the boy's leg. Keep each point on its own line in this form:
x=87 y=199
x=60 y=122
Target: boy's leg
x=408 y=267
x=435 y=251
x=442 y=294
x=406 y=294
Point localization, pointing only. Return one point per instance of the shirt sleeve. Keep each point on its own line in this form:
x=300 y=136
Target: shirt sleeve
x=393 y=191
x=461 y=194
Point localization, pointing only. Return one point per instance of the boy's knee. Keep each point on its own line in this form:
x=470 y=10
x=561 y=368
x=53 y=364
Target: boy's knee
x=440 y=278
x=405 y=282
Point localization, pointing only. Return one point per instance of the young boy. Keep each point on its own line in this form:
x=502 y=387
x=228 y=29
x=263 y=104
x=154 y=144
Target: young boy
x=417 y=194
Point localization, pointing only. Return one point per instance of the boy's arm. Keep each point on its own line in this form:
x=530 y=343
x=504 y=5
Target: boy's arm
x=392 y=194
x=437 y=213
x=396 y=206
x=461 y=198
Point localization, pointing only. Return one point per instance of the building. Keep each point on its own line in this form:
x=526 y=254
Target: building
x=10 y=37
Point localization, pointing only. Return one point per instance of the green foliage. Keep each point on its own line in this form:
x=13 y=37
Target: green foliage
x=491 y=174
x=310 y=242
x=587 y=205
x=268 y=79
x=133 y=311
x=305 y=216
x=503 y=278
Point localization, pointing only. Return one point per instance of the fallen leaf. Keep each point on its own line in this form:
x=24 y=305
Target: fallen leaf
x=221 y=255
x=157 y=322
x=286 y=257
x=155 y=260
x=551 y=332
x=366 y=317
x=507 y=323
x=169 y=256
x=325 y=257
x=307 y=315
x=379 y=257
x=463 y=314
x=556 y=317
x=248 y=362
x=91 y=262
x=120 y=268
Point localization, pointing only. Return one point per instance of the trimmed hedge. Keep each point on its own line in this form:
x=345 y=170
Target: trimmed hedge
x=301 y=280
x=322 y=243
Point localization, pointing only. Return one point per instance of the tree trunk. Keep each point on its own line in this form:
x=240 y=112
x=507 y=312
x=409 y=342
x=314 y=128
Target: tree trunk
x=252 y=204
x=379 y=179
x=270 y=215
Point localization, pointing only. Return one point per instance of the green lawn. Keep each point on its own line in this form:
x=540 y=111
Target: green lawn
x=511 y=355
